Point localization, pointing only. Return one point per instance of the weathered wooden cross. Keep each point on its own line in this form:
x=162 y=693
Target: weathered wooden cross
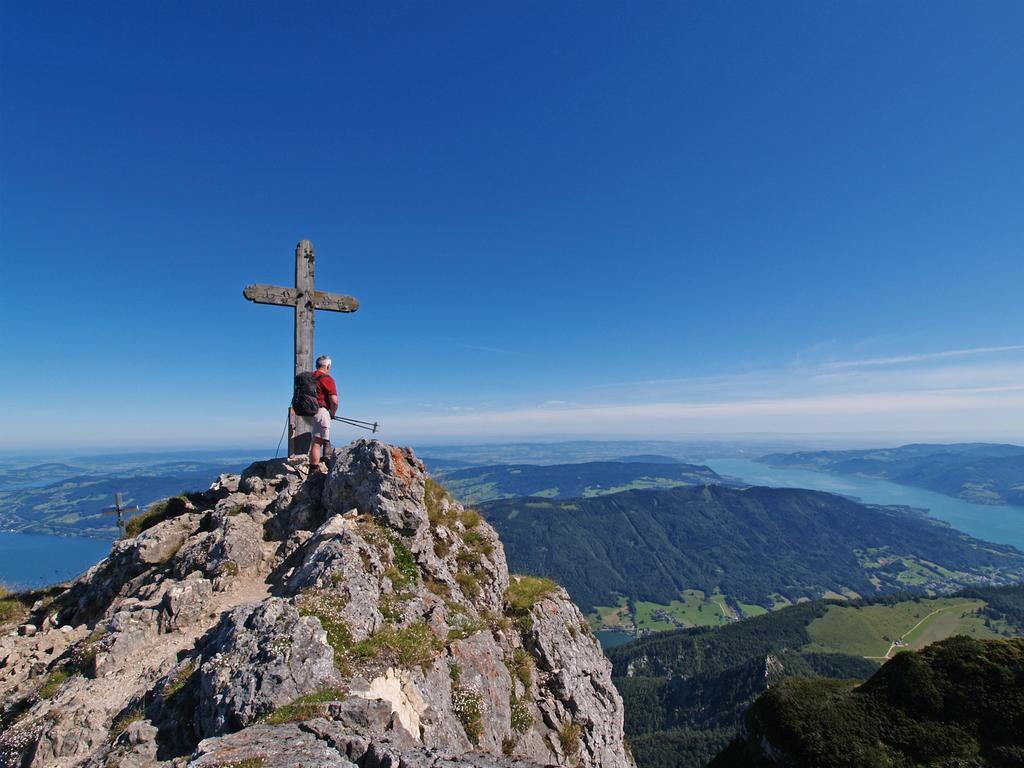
x=119 y=509
x=305 y=298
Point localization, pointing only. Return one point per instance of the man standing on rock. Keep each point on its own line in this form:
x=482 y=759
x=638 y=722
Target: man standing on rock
x=327 y=399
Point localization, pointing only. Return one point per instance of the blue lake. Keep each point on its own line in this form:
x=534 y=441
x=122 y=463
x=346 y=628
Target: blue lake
x=1003 y=525
x=35 y=560
x=610 y=638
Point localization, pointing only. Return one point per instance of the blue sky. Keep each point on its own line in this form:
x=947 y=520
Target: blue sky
x=562 y=219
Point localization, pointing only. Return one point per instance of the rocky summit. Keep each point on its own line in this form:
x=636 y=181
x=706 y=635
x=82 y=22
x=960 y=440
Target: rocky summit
x=358 y=617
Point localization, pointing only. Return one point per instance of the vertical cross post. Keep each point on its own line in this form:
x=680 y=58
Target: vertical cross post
x=119 y=509
x=300 y=435
x=306 y=300
x=304 y=303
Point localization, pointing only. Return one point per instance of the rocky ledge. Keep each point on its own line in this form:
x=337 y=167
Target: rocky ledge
x=359 y=617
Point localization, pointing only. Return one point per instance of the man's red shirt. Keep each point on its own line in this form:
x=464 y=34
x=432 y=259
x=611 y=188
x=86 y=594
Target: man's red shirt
x=325 y=387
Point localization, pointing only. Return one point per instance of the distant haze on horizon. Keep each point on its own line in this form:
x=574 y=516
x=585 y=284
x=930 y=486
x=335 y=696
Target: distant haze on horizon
x=694 y=445
x=574 y=220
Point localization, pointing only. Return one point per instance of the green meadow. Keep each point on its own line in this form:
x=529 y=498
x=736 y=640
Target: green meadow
x=872 y=630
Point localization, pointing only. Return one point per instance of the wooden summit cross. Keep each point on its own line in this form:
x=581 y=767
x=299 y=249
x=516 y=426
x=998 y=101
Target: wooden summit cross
x=305 y=298
x=119 y=509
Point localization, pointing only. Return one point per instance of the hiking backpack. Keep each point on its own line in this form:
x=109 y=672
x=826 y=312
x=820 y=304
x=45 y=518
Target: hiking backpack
x=304 y=401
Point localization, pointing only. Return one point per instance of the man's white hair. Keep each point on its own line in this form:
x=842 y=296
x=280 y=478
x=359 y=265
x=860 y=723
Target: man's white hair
x=323 y=361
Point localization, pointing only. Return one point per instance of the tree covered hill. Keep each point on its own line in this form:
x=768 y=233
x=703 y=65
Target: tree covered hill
x=959 y=702
x=983 y=473
x=560 y=481
x=755 y=545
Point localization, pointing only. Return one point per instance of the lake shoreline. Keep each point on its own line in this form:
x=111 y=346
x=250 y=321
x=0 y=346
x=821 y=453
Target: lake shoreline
x=1000 y=524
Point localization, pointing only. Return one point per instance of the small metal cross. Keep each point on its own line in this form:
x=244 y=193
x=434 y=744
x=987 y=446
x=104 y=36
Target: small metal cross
x=119 y=509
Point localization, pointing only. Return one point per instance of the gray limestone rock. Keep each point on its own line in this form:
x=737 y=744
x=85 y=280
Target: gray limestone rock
x=237 y=550
x=297 y=506
x=225 y=483
x=184 y=603
x=340 y=560
x=577 y=685
x=482 y=674
x=379 y=479
x=281 y=746
x=160 y=543
x=321 y=743
x=260 y=658
x=172 y=649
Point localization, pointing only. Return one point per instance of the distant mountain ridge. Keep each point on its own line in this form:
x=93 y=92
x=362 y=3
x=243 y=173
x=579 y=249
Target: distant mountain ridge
x=983 y=473
x=754 y=544
x=562 y=481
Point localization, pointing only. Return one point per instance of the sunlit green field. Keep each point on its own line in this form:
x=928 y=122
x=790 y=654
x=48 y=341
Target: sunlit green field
x=642 y=483
x=871 y=631
x=874 y=631
x=692 y=609
x=750 y=610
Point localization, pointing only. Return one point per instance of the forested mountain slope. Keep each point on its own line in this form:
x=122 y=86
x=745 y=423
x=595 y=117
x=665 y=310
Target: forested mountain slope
x=754 y=545
x=958 y=702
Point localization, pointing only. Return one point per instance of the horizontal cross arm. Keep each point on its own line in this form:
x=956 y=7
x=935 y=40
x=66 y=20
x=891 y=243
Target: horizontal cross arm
x=271 y=294
x=335 y=302
x=289 y=297
x=115 y=510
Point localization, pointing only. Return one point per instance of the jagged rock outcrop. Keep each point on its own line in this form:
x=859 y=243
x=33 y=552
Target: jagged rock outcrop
x=361 y=617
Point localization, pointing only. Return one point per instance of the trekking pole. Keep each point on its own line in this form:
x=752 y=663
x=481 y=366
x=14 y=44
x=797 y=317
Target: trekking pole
x=373 y=426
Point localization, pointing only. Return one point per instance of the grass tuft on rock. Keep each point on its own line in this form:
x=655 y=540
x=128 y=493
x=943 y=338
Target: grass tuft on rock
x=11 y=607
x=467 y=706
x=520 y=666
x=249 y=762
x=439 y=503
x=462 y=626
x=126 y=719
x=469 y=583
x=525 y=591
x=177 y=683
x=405 y=647
x=53 y=682
x=404 y=571
x=305 y=707
x=569 y=738
x=522 y=720
x=156 y=513
x=327 y=608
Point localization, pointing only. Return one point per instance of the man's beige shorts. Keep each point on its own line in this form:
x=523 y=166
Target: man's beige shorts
x=322 y=425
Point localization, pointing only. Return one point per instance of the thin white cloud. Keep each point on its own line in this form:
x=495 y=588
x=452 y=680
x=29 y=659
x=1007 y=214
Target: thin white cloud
x=981 y=409
x=920 y=358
